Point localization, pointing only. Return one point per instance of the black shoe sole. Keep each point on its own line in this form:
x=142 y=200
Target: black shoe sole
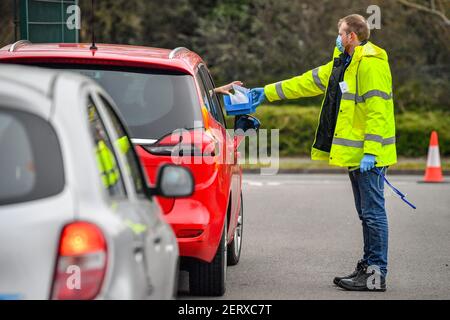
x=348 y=288
x=336 y=280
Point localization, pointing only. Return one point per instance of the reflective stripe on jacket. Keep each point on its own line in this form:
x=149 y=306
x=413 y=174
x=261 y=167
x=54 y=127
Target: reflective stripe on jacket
x=107 y=165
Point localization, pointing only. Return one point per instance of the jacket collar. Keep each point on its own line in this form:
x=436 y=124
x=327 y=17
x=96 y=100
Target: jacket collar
x=367 y=49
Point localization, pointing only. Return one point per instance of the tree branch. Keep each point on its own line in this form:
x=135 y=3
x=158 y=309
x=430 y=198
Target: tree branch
x=426 y=9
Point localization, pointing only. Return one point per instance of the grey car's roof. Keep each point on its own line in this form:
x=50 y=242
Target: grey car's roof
x=34 y=78
x=25 y=82
x=55 y=96
x=21 y=86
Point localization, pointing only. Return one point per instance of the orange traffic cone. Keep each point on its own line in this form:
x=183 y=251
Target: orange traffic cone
x=433 y=172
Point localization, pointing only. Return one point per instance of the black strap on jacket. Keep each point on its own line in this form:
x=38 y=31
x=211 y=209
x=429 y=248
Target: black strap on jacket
x=330 y=107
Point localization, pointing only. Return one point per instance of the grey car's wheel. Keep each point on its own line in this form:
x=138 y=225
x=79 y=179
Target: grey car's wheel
x=209 y=279
x=235 y=246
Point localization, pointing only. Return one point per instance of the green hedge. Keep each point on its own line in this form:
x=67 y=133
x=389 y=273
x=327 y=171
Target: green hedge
x=297 y=126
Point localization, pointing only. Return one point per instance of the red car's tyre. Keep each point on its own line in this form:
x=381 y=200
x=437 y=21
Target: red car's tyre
x=235 y=246
x=209 y=279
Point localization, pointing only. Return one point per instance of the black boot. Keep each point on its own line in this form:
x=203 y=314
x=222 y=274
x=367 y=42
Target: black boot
x=363 y=282
x=359 y=268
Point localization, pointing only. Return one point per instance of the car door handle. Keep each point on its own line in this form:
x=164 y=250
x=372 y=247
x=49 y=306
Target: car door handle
x=157 y=240
x=138 y=251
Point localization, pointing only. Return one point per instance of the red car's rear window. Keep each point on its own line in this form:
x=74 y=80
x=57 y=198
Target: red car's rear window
x=153 y=102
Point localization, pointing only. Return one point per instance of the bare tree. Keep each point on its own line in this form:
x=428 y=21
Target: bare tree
x=434 y=9
x=6 y=23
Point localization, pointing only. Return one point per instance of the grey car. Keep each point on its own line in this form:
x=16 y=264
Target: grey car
x=77 y=219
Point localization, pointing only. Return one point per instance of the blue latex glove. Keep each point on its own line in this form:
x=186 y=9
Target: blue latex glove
x=258 y=96
x=367 y=162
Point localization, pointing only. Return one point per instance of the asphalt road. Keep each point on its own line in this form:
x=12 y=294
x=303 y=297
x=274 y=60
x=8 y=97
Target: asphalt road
x=302 y=230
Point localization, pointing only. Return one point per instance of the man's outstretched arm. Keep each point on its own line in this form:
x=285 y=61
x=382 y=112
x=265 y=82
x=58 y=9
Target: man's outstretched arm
x=309 y=84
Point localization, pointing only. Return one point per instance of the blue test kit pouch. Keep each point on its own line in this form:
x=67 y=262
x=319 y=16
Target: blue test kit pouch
x=240 y=108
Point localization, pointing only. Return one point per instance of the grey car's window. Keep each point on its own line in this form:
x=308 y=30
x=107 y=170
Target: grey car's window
x=125 y=146
x=31 y=164
x=105 y=157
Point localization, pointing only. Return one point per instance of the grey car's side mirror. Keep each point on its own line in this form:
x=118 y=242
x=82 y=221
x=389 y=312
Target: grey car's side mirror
x=174 y=182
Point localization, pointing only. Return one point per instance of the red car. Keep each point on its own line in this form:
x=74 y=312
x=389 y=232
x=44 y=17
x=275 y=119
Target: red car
x=159 y=91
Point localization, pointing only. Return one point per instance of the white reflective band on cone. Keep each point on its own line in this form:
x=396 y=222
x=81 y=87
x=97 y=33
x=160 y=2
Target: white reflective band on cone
x=434 y=159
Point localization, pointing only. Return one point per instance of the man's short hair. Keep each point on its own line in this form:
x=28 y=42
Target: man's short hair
x=358 y=24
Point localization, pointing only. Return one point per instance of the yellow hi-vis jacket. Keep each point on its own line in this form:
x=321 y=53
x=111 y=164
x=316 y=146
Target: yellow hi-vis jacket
x=106 y=161
x=107 y=165
x=363 y=122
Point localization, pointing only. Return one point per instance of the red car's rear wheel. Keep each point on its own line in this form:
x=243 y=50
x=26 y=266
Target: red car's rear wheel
x=234 y=248
x=209 y=279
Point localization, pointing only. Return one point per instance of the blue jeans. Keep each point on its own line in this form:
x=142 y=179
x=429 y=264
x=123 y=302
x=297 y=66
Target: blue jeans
x=368 y=191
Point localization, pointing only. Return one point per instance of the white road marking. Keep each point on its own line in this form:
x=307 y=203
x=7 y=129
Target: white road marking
x=253 y=183
x=273 y=184
x=270 y=183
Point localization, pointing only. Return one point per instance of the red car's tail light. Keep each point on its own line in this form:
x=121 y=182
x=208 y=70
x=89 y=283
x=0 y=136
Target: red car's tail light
x=189 y=143
x=81 y=262
x=176 y=150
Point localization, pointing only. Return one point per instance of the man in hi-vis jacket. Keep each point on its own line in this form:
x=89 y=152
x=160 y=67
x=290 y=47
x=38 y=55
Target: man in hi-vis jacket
x=356 y=129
